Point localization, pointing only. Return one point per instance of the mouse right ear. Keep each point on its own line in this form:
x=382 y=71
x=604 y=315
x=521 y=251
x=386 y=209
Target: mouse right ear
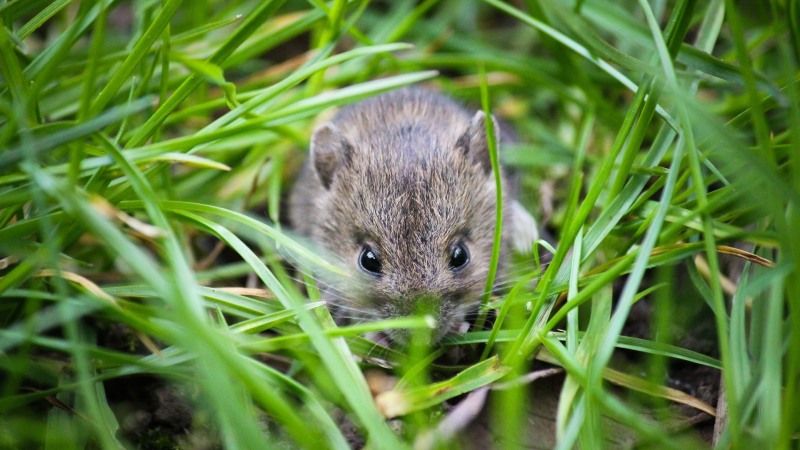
x=329 y=150
x=474 y=142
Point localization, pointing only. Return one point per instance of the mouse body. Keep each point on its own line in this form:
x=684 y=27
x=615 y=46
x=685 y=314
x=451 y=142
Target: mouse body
x=399 y=189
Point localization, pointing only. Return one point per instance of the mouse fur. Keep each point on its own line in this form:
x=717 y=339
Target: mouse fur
x=408 y=175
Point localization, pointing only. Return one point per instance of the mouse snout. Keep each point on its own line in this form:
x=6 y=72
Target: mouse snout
x=418 y=303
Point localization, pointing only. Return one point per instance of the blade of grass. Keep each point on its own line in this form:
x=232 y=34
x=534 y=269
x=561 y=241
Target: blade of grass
x=137 y=53
x=258 y=16
x=335 y=356
x=39 y=19
x=498 y=186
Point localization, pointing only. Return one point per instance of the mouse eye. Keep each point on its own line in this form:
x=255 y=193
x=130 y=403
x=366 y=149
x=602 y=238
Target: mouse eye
x=368 y=260
x=459 y=257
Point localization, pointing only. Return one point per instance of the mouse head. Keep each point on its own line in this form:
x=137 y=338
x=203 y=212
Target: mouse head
x=410 y=209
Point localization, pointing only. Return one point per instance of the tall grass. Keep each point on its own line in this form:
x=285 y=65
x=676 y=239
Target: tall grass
x=145 y=147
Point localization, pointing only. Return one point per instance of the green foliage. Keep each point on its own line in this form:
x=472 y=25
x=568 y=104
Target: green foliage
x=141 y=141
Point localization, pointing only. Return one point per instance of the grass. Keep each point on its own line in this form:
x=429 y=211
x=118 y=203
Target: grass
x=145 y=147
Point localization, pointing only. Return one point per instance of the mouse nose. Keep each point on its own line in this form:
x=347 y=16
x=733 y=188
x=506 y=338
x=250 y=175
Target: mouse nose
x=419 y=303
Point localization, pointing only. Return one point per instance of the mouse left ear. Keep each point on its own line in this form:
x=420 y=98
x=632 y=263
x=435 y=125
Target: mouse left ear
x=474 y=142
x=329 y=151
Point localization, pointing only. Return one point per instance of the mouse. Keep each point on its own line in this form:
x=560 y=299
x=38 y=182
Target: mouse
x=399 y=189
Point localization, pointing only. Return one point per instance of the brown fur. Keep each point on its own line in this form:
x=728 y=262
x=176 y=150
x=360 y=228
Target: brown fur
x=407 y=173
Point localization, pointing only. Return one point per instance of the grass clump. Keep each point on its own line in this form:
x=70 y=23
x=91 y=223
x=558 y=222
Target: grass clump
x=145 y=148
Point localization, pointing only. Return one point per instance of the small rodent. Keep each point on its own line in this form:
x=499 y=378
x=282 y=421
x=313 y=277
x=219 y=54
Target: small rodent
x=400 y=189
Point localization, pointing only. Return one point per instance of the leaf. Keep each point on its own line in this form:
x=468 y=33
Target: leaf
x=191 y=160
x=140 y=49
x=396 y=403
x=43 y=16
x=74 y=132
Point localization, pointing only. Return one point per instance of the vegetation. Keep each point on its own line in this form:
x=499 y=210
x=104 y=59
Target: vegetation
x=145 y=147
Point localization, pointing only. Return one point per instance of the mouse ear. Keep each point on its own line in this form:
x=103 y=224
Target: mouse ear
x=475 y=143
x=329 y=150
